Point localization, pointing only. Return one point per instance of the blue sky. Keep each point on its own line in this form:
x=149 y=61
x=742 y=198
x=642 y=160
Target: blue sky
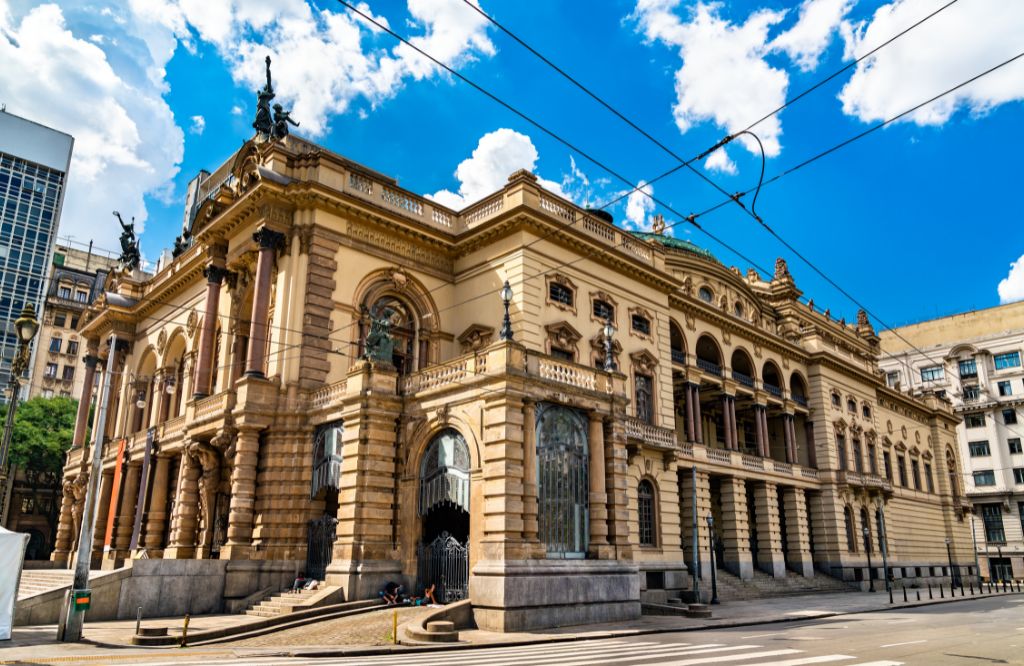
x=917 y=220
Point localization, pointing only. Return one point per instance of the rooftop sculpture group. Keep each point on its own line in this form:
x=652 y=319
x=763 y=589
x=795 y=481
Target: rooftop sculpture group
x=130 y=255
x=267 y=125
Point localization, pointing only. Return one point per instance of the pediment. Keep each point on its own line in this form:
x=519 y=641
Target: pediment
x=476 y=336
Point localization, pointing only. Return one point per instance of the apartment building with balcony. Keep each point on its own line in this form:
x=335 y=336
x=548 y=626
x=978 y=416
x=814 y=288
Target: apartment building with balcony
x=974 y=359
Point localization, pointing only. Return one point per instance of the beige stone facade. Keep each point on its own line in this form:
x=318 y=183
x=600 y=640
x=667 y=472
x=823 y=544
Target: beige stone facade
x=570 y=486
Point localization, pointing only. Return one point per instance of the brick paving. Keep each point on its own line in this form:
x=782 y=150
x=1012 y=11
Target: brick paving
x=366 y=629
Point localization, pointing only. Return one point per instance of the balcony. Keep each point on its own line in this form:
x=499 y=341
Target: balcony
x=679 y=356
x=743 y=379
x=709 y=367
x=800 y=400
x=772 y=390
x=651 y=435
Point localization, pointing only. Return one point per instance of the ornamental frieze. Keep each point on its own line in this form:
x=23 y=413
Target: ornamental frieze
x=390 y=243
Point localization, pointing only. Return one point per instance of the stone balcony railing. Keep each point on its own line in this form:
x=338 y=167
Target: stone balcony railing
x=328 y=395
x=739 y=460
x=862 y=480
x=651 y=435
x=572 y=375
x=211 y=407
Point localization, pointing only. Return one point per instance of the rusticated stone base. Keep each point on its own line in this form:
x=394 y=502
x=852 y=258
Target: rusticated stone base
x=525 y=595
x=363 y=580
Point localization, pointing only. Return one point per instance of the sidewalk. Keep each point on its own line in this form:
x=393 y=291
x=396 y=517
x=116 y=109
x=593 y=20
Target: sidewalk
x=107 y=642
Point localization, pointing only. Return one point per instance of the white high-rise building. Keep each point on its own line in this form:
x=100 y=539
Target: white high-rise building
x=975 y=358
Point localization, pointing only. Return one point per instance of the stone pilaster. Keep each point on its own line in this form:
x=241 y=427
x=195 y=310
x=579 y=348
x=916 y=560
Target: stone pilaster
x=102 y=511
x=798 y=544
x=214 y=278
x=759 y=437
x=686 y=503
x=282 y=480
x=734 y=528
x=691 y=430
x=530 y=473
x=616 y=482
x=770 y=557
x=697 y=419
x=156 y=516
x=727 y=425
x=185 y=520
x=788 y=437
x=829 y=526
x=502 y=457
x=598 y=494
x=125 y=519
x=243 y=496
x=269 y=242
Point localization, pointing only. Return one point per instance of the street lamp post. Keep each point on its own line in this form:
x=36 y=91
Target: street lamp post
x=25 y=326
x=867 y=549
x=506 y=324
x=609 y=358
x=949 y=556
x=711 y=551
x=884 y=543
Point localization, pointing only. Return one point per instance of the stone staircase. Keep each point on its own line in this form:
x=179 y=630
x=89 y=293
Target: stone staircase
x=284 y=603
x=763 y=586
x=37 y=581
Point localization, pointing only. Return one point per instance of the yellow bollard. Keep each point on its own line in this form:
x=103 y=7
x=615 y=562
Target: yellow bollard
x=184 y=633
x=394 y=628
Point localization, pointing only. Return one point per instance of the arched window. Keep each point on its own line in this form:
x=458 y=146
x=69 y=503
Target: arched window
x=327 y=457
x=402 y=328
x=705 y=295
x=444 y=472
x=851 y=539
x=563 y=486
x=645 y=511
x=865 y=525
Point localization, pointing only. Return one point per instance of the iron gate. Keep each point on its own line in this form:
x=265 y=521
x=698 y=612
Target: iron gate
x=444 y=562
x=320 y=546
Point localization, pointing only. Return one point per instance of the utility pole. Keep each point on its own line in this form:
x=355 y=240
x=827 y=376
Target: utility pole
x=70 y=629
x=885 y=551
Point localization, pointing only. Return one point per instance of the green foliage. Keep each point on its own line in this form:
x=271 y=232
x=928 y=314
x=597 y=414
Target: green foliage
x=43 y=430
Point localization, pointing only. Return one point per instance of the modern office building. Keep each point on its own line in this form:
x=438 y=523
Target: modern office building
x=974 y=358
x=34 y=162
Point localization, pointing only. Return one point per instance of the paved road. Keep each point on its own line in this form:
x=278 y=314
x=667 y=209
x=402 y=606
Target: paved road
x=976 y=632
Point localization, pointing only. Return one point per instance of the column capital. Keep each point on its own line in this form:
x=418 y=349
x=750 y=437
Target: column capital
x=90 y=361
x=215 y=274
x=269 y=239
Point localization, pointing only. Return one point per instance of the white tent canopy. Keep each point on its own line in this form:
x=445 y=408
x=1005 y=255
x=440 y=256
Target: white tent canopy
x=12 y=557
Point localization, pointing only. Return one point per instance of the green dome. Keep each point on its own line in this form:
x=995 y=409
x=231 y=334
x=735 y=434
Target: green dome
x=676 y=244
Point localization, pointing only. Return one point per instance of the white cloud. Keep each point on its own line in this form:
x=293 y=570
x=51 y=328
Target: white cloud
x=198 y=125
x=1011 y=288
x=126 y=140
x=321 y=64
x=638 y=204
x=806 y=41
x=497 y=155
x=236 y=110
x=720 y=161
x=956 y=44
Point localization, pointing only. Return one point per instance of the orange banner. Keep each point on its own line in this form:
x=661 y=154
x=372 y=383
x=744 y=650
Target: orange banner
x=115 y=495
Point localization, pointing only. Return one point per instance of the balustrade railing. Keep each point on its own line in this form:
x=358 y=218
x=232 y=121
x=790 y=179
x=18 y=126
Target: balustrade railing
x=329 y=394
x=483 y=210
x=746 y=380
x=436 y=376
x=752 y=462
x=808 y=473
x=679 y=356
x=773 y=390
x=709 y=367
x=212 y=406
x=800 y=400
x=565 y=373
x=719 y=455
x=650 y=434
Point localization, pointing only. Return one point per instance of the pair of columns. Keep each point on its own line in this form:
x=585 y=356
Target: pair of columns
x=269 y=242
x=694 y=429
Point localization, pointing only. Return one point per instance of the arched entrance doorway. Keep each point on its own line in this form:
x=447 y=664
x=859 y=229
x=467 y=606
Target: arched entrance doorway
x=326 y=479
x=443 y=554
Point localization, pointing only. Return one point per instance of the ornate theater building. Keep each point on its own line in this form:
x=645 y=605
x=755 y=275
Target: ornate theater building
x=332 y=377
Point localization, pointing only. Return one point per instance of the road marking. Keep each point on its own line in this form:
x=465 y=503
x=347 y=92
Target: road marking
x=777 y=633
x=879 y=663
x=905 y=643
x=631 y=656
x=731 y=657
x=571 y=653
x=805 y=660
x=529 y=651
x=806 y=638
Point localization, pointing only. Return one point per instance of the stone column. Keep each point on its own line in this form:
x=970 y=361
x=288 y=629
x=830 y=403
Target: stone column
x=691 y=434
x=787 y=431
x=812 y=449
x=243 y=496
x=698 y=426
x=156 y=516
x=759 y=431
x=730 y=442
x=185 y=520
x=798 y=536
x=530 y=472
x=770 y=557
x=598 y=488
x=686 y=500
x=214 y=278
x=269 y=241
x=84 y=403
x=102 y=510
x=735 y=531
x=65 y=527
x=125 y=518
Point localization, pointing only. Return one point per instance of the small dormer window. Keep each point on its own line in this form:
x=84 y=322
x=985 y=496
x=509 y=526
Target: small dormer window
x=560 y=293
x=641 y=324
x=603 y=309
x=705 y=295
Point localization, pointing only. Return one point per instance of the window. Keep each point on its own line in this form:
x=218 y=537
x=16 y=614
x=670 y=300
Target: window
x=851 y=541
x=968 y=369
x=51 y=370
x=564 y=354
x=47 y=393
x=836 y=401
x=872 y=461
x=985 y=478
x=841 y=450
x=851 y=406
x=603 y=310
x=563 y=487
x=705 y=295
x=928 y=477
x=72 y=347
x=68 y=373
x=1008 y=360
x=559 y=293
x=1018 y=475
x=74 y=322
x=915 y=473
x=992 y=515
x=892 y=379
x=81 y=296
x=1010 y=416
x=858 y=457
x=979 y=448
x=974 y=420
x=901 y=467
x=1020 y=510
x=64 y=292
x=644 y=391
x=887 y=463
x=1005 y=388
x=1014 y=444
x=972 y=393
x=645 y=511
x=641 y=324
x=55 y=345
x=932 y=373
x=866 y=411
x=60 y=319
x=738 y=310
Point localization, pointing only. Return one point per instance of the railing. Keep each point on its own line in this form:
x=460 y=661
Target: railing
x=808 y=473
x=709 y=367
x=746 y=380
x=401 y=201
x=800 y=400
x=752 y=462
x=212 y=406
x=329 y=395
x=679 y=357
x=557 y=209
x=774 y=390
x=565 y=373
x=484 y=210
x=782 y=467
x=442 y=218
x=172 y=427
x=719 y=455
x=650 y=434
x=360 y=183
x=436 y=376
